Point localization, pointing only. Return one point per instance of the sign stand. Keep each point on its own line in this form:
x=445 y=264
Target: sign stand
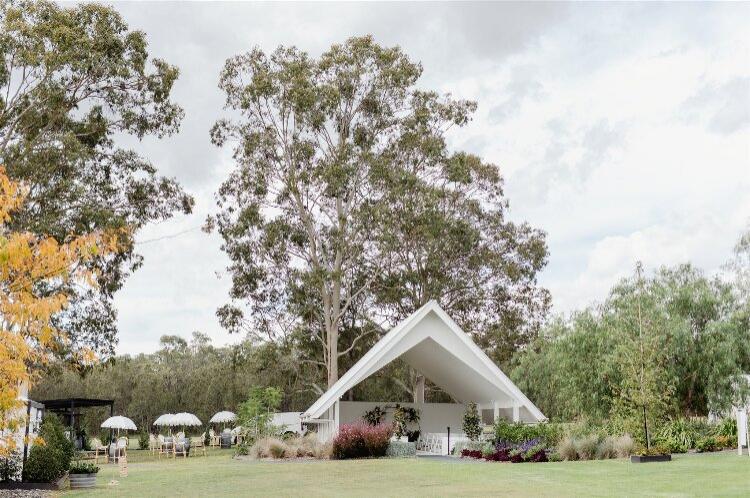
x=123 y=462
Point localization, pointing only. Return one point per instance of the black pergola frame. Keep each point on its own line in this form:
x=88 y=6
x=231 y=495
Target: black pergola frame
x=67 y=407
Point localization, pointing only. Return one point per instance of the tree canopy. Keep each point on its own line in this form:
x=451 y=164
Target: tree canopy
x=347 y=210
x=73 y=80
x=28 y=335
x=697 y=346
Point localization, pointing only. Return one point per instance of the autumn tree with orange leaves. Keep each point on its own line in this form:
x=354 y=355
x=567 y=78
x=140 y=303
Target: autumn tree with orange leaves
x=32 y=271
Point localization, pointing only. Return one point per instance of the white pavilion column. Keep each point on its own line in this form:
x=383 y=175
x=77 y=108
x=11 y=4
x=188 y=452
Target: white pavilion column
x=516 y=413
x=496 y=411
x=336 y=414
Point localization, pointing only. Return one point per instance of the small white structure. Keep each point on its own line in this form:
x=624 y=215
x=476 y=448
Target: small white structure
x=743 y=435
x=288 y=422
x=30 y=412
x=434 y=345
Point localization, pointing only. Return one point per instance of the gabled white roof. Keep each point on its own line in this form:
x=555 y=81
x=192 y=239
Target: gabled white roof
x=431 y=342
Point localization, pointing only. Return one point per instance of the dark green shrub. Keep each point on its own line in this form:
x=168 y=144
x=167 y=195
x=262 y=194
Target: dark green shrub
x=143 y=440
x=707 y=444
x=472 y=422
x=50 y=457
x=10 y=466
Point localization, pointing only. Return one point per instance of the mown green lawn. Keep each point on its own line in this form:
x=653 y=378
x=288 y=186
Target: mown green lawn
x=717 y=474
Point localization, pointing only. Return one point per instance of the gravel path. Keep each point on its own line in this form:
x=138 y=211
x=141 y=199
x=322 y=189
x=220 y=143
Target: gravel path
x=24 y=493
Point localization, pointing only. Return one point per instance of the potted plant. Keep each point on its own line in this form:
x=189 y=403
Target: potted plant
x=82 y=475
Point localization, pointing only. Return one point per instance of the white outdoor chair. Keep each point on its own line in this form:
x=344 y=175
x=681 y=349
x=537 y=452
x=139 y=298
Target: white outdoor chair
x=153 y=444
x=122 y=447
x=97 y=446
x=199 y=442
x=164 y=447
x=215 y=439
x=180 y=447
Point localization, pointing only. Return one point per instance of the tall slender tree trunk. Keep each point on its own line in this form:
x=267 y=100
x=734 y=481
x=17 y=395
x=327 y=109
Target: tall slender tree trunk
x=333 y=355
x=419 y=389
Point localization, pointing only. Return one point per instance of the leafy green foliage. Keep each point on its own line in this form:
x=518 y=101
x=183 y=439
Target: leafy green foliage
x=143 y=440
x=73 y=79
x=371 y=214
x=255 y=414
x=515 y=433
x=403 y=416
x=727 y=427
x=698 y=345
x=374 y=416
x=706 y=444
x=50 y=459
x=192 y=376
x=83 y=468
x=472 y=422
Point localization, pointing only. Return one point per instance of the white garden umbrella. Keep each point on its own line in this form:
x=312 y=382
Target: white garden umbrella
x=223 y=417
x=119 y=422
x=163 y=420
x=185 y=419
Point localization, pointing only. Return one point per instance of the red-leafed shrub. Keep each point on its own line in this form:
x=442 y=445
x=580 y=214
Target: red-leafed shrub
x=501 y=455
x=466 y=453
x=360 y=440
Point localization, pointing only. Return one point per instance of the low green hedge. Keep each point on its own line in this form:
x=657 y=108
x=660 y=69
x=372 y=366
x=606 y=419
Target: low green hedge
x=401 y=449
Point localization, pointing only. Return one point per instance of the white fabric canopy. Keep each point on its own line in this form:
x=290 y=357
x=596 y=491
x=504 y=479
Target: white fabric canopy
x=119 y=422
x=164 y=419
x=183 y=418
x=223 y=417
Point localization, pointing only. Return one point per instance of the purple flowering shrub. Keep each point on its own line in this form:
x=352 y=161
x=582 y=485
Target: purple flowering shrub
x=529 y=451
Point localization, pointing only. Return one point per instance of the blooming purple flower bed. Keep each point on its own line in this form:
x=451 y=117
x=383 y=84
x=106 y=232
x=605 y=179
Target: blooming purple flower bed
x=528 y=451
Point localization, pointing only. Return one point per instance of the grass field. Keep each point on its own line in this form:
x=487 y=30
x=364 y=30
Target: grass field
x=717 y=474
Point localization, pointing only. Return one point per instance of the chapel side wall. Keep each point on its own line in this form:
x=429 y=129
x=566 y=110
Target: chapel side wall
x=434 y=417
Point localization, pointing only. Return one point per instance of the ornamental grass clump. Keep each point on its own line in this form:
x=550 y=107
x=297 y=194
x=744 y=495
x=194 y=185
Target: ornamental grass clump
x=566 y=448
x=624 y=446
x=606 y=449
x=360 y=440
x=586 y=447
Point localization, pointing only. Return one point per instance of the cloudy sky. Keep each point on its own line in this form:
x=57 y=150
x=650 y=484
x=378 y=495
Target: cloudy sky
x=622 y=130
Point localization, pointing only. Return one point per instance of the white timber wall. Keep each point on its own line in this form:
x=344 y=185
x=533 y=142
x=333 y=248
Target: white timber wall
x=433 y=417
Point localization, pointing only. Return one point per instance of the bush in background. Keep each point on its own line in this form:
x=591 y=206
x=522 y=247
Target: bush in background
x=707 y=444
x=727 y=427
x=360 y=440
x=50 y=456
x=518 y=433
x=472 y=425
x=143 y=440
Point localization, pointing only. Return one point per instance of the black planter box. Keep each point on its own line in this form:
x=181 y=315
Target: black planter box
x=650 y=458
